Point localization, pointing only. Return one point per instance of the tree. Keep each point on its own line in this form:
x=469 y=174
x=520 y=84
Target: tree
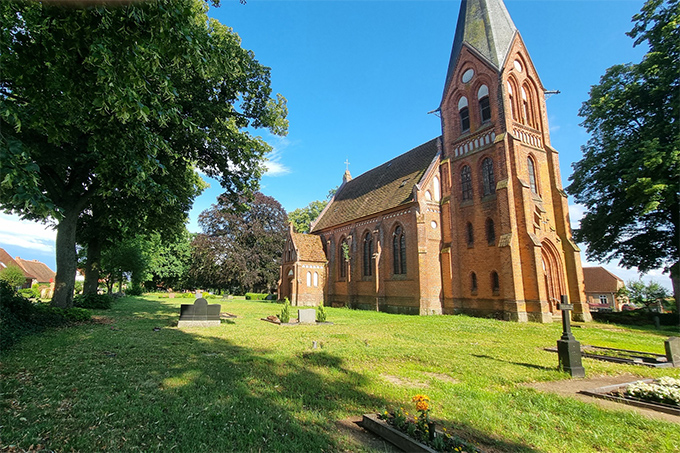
x=628 y=177
x=13 y=275
x=100 y=100
x=241 y=245
x=649 y=294
x=301 y=218
x=169 y=262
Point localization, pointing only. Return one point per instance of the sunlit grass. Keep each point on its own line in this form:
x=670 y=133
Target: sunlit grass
x=250 y=385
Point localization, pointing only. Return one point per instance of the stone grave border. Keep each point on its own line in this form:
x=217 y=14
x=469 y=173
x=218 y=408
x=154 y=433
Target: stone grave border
x=649 y=359
x=374 y=424
x=607 y=393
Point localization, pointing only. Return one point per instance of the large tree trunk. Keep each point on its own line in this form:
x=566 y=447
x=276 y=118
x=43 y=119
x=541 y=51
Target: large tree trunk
x=675 y=278
x=92 y=267
x=64 y=281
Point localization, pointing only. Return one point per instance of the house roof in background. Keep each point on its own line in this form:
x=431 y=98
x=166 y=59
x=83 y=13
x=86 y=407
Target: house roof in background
x=384 y=187
x=39 y=270
x=7 y=261
x=599 y=279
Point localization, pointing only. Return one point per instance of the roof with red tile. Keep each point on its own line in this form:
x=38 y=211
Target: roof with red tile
x=39 y=270
x=384 y=187
x=8 y=261
x=600 y=280
x=309 y=247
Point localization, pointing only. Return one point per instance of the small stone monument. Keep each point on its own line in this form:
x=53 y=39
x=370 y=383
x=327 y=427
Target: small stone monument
x=673 y=350
x=199 y=314
x=307 y=316
x=568 y=349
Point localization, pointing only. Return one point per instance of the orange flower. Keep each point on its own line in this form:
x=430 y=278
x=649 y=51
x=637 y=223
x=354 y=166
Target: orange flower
x=422 y=406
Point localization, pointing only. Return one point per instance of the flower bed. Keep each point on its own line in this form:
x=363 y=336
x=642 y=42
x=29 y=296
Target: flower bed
x=662 y=395
x=421 y=428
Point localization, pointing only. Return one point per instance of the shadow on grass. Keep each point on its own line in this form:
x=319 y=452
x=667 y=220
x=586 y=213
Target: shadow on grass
x=526 y=365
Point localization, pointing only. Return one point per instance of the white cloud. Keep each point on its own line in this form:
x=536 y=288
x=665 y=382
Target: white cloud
x=273 y=164
x=576 y=212
x=26 y=234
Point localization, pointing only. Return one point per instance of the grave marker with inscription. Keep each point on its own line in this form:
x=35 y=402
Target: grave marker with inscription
x=199 y=314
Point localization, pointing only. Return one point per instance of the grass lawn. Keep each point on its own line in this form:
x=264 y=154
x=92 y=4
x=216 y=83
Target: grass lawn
x=250 y=385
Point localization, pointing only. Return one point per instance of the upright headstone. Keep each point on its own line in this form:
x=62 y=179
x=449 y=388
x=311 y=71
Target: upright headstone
x=199 y=314
x=568 y=349
x=307 y=316
x=673 y=350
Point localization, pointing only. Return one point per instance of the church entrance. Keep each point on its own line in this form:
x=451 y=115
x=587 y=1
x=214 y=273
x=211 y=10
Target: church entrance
x=552 y=275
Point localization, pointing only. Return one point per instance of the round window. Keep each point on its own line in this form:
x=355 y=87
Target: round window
x=467 y=75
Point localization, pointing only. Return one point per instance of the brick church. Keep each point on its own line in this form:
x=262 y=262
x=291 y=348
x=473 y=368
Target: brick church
x=474 y=221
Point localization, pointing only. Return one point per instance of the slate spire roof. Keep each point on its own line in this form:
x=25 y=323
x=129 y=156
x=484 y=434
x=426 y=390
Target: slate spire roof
x=486 y=26
x=384 y=187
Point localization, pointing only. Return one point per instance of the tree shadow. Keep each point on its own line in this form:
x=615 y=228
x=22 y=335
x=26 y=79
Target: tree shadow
x=526 y=365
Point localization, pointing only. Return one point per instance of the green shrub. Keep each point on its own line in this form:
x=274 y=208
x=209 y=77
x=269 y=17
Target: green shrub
x=320 y=313
x=93 y=301
x=636 y=318
x=20 y=317
x=186 y=295
x=135 y=290
x=27 y=292
x=256 y=296
x=285 y=311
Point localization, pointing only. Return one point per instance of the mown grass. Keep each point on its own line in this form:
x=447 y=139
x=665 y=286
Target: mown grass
x=250 y=385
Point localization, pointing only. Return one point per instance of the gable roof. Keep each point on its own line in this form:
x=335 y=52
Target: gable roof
x=308 y=247
x=384 y=187
x=39 y=270
x=8 y=261
x=600 y=280
x=486 y=26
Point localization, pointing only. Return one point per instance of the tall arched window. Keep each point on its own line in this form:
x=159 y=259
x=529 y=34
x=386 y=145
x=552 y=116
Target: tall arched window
x=436 y=188
x=532 y=175
x=490 y=232
x=526 y=108
x=484 y=105
x=473 y=283
x=495 y=283
x=511 y=94
x=470 y=231
x=316 y=279
x=488 y=179
x=464 y=113
x=309 y=278
x=368 y=254
x=399 y=251
x=343 y=253
x=466 y=183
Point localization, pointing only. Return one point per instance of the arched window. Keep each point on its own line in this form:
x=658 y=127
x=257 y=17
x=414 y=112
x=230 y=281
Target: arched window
x=526 y=108
x=511 y=94
x=343 y=253
x=464 y=113
x=532 y=175
x=436 y=188
x=488 y=179
x=490 y=232
x=466 y=183
x=316 y=279
x=495 y=283
x=484 y=105
x=473 y=283
x=309 y=278
x=399 y=251
x=368 y=254
x=470 y=235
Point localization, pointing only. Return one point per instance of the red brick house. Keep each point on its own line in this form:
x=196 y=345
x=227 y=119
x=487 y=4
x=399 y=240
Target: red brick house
x=474 y=221
x=601 y=288
x=7 y=261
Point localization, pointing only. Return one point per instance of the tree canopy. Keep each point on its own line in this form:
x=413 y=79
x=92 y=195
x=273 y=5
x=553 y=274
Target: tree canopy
x=628 y=179
x=103 y=102
x=301 y=218
x=241 y=245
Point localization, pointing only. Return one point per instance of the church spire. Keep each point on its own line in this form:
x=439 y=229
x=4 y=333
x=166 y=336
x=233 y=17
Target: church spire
x=486 y=27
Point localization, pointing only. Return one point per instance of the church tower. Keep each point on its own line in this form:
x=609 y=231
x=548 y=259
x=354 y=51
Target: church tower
x=507 y=245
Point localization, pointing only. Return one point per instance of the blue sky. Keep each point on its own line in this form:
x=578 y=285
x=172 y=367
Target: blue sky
x=361 y=76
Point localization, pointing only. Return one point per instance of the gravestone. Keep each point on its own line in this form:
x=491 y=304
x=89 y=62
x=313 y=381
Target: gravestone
x=568 y=349
x=307 y=316
x=199 y=314
x=673 y=350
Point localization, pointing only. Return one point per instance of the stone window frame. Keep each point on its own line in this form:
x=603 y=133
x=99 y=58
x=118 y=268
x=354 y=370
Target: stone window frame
x=399 y=249
x=367 y=250
x=488 y=177
x=315 y=279
x=495 y=283
x=466 y=188
x=309 y=279
x=490 y=228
